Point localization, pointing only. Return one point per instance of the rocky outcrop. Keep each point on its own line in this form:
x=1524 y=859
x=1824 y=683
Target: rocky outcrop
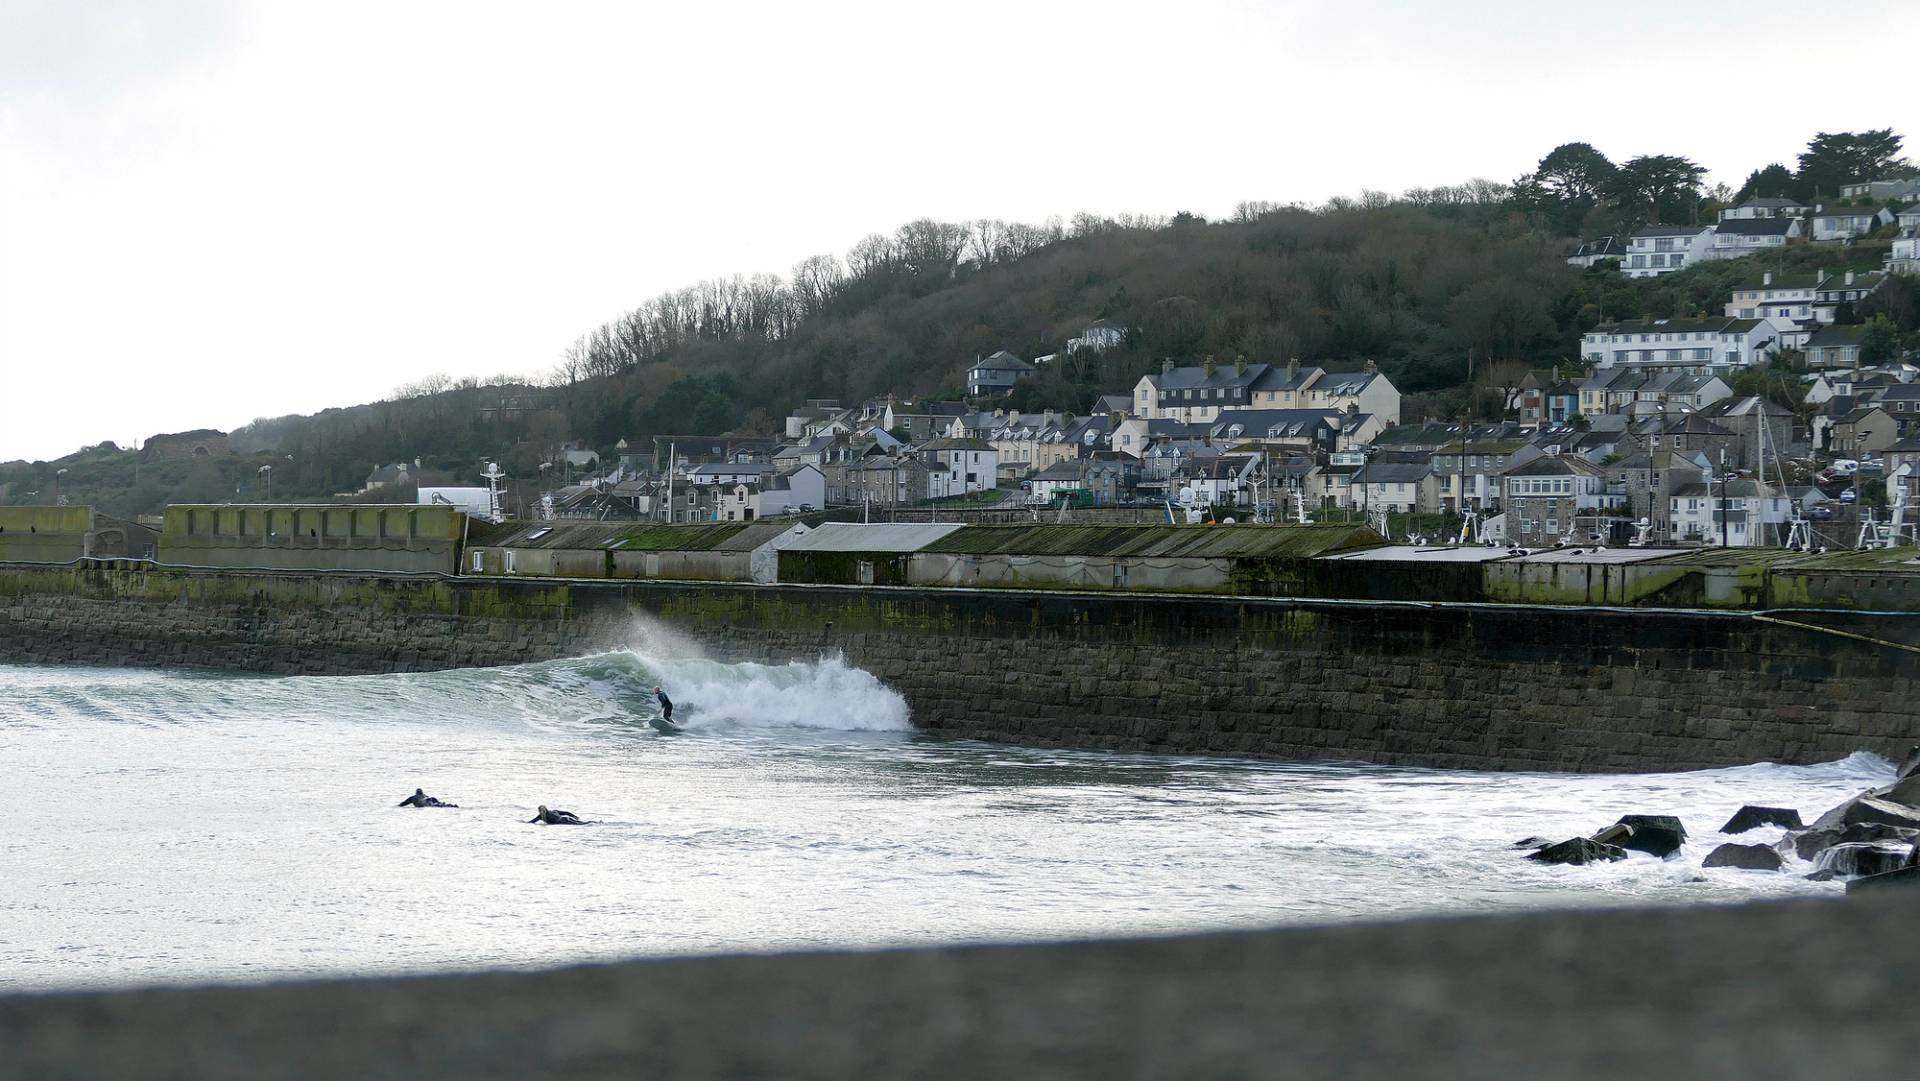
x=1578 y=850
x=1752 y=817
x=1745 y=857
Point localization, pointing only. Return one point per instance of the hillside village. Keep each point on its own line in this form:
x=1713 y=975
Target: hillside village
x=1649 y=444
x=1779 y=419
x=1642 y=448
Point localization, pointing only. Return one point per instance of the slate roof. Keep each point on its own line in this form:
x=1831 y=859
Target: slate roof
x=1002 y=361
x=1756 y=226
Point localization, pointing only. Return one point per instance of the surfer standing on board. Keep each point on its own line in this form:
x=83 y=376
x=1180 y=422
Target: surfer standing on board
x=666 y=704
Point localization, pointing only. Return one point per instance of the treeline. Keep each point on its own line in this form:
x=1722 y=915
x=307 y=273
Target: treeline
x=1578 y=190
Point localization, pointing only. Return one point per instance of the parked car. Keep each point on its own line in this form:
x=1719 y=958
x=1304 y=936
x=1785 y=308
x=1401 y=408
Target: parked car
x=1844 y=467
x=1820 y=513
x=1849 y=496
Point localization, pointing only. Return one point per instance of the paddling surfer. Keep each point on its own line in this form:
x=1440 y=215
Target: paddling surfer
x=555 y=818
x=421 y=799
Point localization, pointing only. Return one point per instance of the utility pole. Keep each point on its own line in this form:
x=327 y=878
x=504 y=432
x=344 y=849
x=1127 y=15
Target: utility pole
x=1723 y=496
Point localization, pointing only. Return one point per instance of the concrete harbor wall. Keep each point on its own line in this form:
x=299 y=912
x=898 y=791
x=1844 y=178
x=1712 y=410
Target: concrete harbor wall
x=1804 y=989
x=1470 y=686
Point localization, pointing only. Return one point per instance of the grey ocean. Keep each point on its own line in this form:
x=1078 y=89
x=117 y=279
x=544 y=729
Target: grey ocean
x=185 y=827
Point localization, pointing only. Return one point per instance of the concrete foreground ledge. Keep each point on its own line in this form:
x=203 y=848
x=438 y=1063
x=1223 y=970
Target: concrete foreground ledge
x=1801 y=989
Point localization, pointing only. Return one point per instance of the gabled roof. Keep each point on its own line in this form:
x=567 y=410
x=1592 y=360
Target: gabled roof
x=1555 y=465
x=1342 y=384
x=1671 y=230
x=1836 y=335
x=956 y=443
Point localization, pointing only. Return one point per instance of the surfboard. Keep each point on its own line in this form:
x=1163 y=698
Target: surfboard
x=664 y=726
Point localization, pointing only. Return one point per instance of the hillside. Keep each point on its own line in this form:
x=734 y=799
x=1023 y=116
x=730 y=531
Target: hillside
x=1442 y=289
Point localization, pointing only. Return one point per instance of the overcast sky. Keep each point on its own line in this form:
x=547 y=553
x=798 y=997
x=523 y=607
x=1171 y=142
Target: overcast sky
x=214 y=211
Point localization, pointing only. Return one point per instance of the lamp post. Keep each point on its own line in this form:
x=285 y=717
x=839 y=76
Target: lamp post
x=266 y=473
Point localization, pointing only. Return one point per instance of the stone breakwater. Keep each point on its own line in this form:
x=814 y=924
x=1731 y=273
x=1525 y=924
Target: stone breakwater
x=1804 y=989
x=1479 y=687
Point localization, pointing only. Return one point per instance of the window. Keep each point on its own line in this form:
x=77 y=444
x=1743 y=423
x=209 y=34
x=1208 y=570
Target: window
x=506 y=559
x=479 y=562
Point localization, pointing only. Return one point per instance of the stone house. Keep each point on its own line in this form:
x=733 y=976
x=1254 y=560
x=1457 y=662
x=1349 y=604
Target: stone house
x=1555 y=496
x=1649 y=481
x=1867 y=430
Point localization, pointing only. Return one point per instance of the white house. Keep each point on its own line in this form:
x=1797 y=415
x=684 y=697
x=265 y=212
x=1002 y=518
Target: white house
x=1765 y=208
x=1400 y=487
x=1905 y=256
x=959 y=466
x=1366 y=390
x=1098 y=335
x=1663 y=249
x=1784 y=301
x=802 y=488
x=1753 y=513
x=1847 y=222
x=1692 y=344
x=1736 y=237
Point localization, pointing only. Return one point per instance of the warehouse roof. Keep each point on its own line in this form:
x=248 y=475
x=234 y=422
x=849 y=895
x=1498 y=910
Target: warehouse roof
x=1155 y=540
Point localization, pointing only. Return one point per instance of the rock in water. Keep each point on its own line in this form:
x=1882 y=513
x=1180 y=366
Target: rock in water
x=1905 y=878
x=1869 y=809
x=1614 y=834
x=1752 y=817
x=1656 y=835
x=1578 y=850
x=1815 y=841
x=1851 y=859
x=1745 y=857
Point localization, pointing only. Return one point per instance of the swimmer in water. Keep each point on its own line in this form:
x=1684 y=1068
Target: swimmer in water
x=555 y=818
x=421 y=799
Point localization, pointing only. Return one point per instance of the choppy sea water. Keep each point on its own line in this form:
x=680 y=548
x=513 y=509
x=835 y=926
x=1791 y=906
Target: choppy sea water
x=188 y=827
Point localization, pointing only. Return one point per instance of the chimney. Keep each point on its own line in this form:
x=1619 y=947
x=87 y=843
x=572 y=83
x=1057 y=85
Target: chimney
x=1210 y=364
x=1849 y=277
x=1166 y=366
x=1293 y=369
x=1766 y=278
x=1239 y=365
x=1371 y=367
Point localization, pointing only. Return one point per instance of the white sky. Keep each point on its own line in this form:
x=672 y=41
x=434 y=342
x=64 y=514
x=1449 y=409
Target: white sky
x=214 y=211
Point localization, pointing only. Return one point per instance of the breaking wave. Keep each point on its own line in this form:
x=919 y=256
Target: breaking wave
x=824 y=694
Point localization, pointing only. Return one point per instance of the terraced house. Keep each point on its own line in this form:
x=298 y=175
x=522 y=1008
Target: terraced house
x=1696 y=345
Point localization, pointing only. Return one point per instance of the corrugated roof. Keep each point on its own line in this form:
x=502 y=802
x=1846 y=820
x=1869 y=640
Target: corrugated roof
x=606 y=536
x=1150 y=541
x=875 y=537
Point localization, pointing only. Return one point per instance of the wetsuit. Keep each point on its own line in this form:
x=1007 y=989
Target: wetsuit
x=556 y=818
x=421 y=799
x=666 y=705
